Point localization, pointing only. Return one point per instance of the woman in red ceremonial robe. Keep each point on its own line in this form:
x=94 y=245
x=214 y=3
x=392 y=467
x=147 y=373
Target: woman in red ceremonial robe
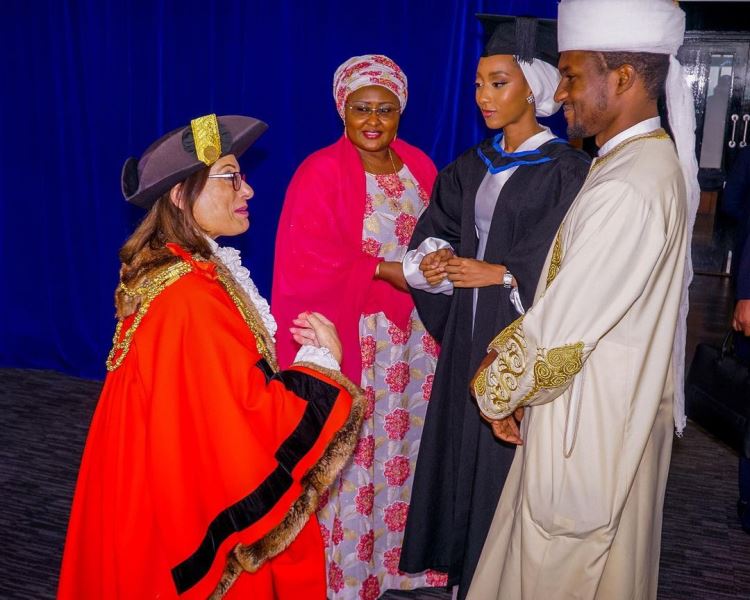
x=204 y=462
x=347 y=219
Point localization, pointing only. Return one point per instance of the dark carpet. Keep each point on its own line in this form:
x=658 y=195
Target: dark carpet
x=705 y=554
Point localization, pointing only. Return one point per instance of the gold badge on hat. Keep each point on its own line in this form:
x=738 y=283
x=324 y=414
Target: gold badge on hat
x=206 y=138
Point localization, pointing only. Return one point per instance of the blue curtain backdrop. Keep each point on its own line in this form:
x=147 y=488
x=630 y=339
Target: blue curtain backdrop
x=89 y=83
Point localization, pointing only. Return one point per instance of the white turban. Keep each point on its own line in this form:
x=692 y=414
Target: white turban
x=657 y=27
x=542 y=78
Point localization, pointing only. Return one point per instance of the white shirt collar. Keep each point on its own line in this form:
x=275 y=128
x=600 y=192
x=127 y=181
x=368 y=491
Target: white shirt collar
x=638 y=129
x=534 y=141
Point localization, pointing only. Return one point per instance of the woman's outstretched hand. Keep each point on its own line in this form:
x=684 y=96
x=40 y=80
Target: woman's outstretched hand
x=473 y=273
x=313 y=329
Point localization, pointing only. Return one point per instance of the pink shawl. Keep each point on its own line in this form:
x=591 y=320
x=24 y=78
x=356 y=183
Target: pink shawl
x=319 y=263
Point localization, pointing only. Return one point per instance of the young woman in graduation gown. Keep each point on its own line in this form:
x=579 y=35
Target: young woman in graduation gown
x=476 y=257
x=204 y=462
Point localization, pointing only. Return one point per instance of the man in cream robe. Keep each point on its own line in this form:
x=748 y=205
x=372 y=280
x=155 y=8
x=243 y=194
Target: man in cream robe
x=592 y=360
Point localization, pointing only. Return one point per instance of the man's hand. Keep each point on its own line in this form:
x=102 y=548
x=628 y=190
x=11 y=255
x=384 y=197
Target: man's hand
x=472 y=273
x=741 y=319
x=504 y=429
x=507 y=429
x=433 y=265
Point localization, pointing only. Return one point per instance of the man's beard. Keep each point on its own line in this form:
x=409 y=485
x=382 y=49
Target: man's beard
x=590 y=128
x=577 y=131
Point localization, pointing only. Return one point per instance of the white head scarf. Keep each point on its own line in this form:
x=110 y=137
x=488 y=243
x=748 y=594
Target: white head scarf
x=600 y=25
x=542 y=78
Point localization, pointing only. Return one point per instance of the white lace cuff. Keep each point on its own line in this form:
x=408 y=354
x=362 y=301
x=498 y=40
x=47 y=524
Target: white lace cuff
x=414 y=276
x=318 y=356
x=515 y=299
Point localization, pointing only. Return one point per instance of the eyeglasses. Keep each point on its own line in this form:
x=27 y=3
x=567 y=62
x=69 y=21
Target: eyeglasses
x=383 y=112
x=236 y=177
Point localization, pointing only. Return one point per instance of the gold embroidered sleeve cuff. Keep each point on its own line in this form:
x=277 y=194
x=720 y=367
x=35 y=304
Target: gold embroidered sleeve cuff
x=495 y=386
x=510 y=381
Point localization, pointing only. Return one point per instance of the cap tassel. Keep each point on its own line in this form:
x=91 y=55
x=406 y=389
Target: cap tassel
x=526 y=38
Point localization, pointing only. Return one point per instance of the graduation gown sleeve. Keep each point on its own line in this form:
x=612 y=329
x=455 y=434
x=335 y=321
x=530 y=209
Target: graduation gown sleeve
x=441 y=219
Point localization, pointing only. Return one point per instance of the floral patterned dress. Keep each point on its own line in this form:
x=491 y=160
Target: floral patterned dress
x=362 y=517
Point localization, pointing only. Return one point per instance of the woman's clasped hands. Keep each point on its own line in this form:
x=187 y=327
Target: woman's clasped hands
x=462 y=272
x=313 y=329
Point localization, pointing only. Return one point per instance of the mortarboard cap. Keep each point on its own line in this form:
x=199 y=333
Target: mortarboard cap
x=525 y=37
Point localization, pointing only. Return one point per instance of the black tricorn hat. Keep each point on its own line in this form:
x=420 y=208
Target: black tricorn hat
x=524 y=37
x=184 y=151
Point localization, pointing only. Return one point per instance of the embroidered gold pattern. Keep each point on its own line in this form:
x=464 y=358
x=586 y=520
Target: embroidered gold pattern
x=500 y=379
x=480 y=384
x=552 y=369
x=659 y=134
x=147 y=292
x=206 y=139
x=157 y=285
x=554 y=264
x=555 y=368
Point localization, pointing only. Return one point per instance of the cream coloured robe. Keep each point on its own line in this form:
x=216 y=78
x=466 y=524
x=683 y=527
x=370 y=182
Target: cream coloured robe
x=580 y=515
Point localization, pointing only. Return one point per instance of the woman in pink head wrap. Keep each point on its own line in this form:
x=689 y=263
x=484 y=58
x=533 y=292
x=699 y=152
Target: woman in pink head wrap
x=348 y=216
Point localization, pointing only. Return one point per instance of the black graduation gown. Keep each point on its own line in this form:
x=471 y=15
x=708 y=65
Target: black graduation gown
x=461 y=466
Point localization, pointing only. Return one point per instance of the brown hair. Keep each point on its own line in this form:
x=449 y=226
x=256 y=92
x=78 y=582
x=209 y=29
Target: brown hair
x=146 y=248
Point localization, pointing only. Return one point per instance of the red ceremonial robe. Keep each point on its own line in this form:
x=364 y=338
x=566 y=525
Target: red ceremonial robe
x=196 y=446
x=319 y=263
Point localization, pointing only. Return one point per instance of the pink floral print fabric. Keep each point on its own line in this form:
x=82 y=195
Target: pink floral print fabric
x=363 y=515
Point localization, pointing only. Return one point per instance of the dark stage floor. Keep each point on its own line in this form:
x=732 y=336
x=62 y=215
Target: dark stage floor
x=45 y=415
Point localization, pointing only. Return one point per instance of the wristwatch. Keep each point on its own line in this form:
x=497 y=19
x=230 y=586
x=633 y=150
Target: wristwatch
x=508 y=279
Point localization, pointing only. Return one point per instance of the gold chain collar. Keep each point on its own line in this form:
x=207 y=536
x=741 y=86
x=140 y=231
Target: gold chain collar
x=659 y=134
x=147 y=292
x=163 y=279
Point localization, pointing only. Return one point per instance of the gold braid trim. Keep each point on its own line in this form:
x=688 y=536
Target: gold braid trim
x=659 y=134
x=146 y=292
x=206 y=139
x=263 y=340
x=165 y=277
x=556 y=260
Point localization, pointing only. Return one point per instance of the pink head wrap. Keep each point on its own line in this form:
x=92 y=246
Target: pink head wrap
x=369 y=69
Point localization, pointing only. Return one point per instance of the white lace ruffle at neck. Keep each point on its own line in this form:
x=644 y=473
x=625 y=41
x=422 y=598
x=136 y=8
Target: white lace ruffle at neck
x=231 y=259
